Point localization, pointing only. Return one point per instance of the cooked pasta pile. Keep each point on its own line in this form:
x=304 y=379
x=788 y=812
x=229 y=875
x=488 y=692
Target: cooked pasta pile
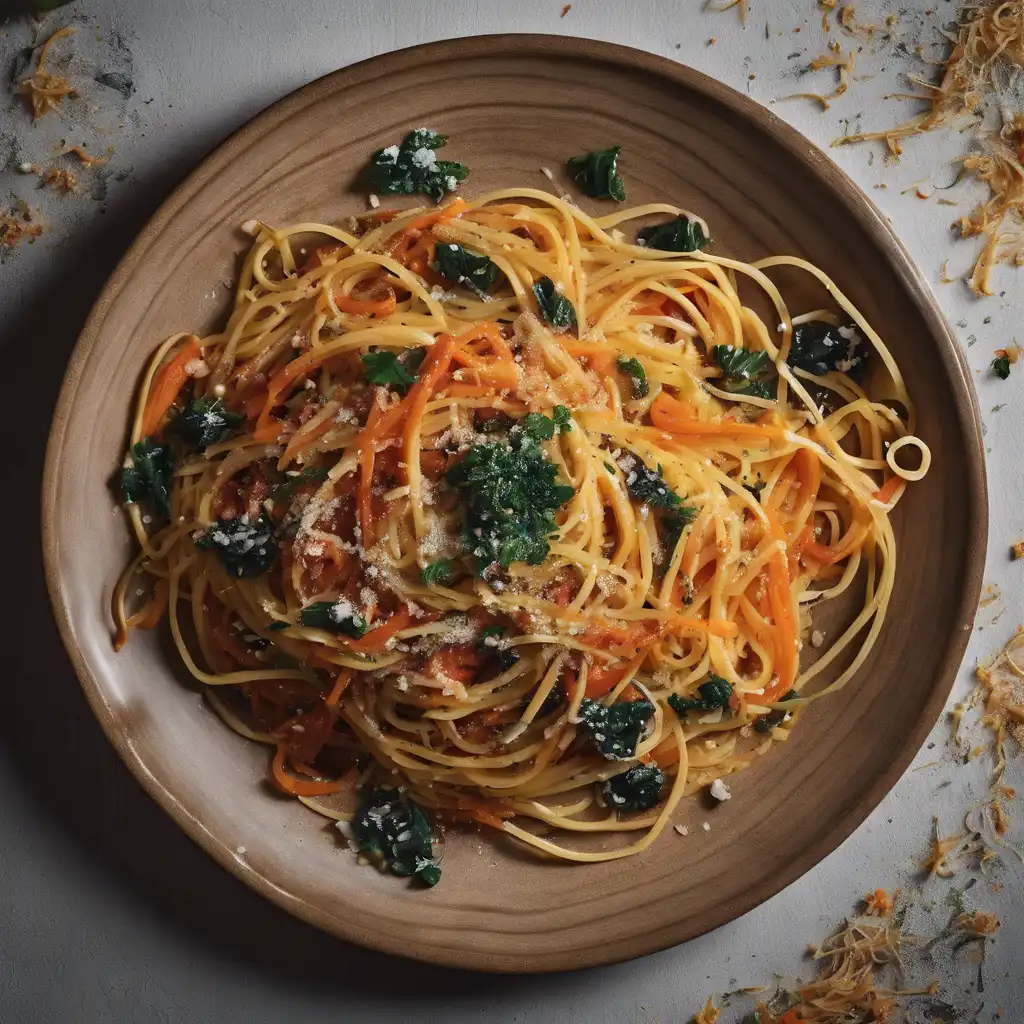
x=492 y=502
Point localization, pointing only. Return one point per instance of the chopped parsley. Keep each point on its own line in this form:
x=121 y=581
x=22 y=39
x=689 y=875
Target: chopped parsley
x=746 y=372
x=768 y=722
x=206 y=422
x=636 y=789
x=438 y=573
x=413 y=167
x=648 y=486
x=539 y=427
x=308 y=475
x=245 y=546
x=616 y=730
x=392 y=831
x=714 y=694
x=556 y=310
x=819 y=347
x=678 y=235
x=459 y=265
x=511 y=496
x=339 y=616
x=1001 y=366
x=596 y=174
x=756 y=488
x=387 y=370
x=148 y=479
x=634 y=369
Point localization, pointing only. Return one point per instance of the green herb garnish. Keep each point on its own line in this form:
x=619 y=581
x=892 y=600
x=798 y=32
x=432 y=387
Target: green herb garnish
x=819 y=347
x=385 y=369
x=648 y=486
x=505 y=656
x=245 y=546
x=715 y=693
x=678 y=235
x=413 y=167
x=339 y=616
x=634 y=369
x=148 y=479
x=511 y=496
x=746 y=372
x=391 y=830
x=1001 y=365
x=206 y=422
x=768 y=722
x=636 y=789
x=563 y=419
x=596 y=174
x=309 y=475
x=438 y=573
x=463 y=266
x=556 y=310
x=616 y=730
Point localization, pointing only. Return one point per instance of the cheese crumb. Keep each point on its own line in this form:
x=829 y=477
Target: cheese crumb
x=720 y=791
x=682 y=830
x=706 y=826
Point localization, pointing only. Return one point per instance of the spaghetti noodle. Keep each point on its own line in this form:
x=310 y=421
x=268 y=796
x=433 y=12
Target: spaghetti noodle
x=544 y=551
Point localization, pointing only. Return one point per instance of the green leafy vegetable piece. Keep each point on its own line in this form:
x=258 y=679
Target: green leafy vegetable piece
x=678 y=235
x=746 y=372
x=148 y=479
x=245 y=546
x=648 y=485
x=206 y=421
x=459 y=265
x=309 y=475
x=634 y=369
x=562 y=418
x=537 y=426
x=497 y=424
x=505 y=656
x=557 y=311
x=277 y=626
x=768 y=722
x=636 y=789
x=391 y=830
x=339 y=616
x=616 y=730
x=485 y=634
x=596 y=174
x=511 y=496
x=756 y=489
x=819 y=347
x=438 y=573
x=714 y=693
x=385 y=369
x=1001 y=365
x=413 y=167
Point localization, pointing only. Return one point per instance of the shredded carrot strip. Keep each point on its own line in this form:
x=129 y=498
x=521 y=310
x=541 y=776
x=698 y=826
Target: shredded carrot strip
x=169 y=380
x=668 y=413
x=156 y=609
x=376 y=639
x=299 y=787
x=340 y=685
x=887 y=491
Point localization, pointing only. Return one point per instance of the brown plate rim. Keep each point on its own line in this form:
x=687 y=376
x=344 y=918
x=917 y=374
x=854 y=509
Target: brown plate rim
x=846 y=192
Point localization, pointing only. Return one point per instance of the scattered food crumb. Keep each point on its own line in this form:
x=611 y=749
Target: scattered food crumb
x=1017 y=550
x=565 y=10
x=42 y=90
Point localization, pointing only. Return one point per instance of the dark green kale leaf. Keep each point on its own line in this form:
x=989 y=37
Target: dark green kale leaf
x=678 y=235
x=636 y=789
x=562 y=418
x=246 y=547
x=438 y=573
x=506 y=657
x=463 y=266
x=556 y=310
x=539 y=427
x=392 y=831
x=596 y=174
x=616 y=730
x=768 y=722
x=339 y=616
x=1001 y=366
x=487 y=633
x=634 y=369
x=819 y=347
x=309 y=475
x=715 y=693
x=648 y=486
x=148 y=479
x=413 y=167
x=385 y=368
x=746 y=372
x=511 y=497
x=205 y=422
